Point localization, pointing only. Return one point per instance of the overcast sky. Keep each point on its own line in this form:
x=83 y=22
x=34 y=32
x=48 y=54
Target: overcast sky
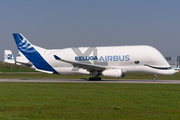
x=73 y=23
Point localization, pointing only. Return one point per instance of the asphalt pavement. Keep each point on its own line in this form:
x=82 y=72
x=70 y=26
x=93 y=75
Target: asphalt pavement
x=87 y=81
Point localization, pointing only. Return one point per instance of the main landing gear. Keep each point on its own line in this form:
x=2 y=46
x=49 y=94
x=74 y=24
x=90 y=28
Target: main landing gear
x=95 y=76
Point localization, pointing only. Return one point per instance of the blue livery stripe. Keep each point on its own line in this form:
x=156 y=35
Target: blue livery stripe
x=31 y=53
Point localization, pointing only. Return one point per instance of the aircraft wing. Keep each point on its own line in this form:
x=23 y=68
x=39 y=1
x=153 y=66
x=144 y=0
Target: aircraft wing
x=89 y=67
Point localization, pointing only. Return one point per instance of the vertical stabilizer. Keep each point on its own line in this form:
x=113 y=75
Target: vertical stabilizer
x=8 y=57
x=33 y=53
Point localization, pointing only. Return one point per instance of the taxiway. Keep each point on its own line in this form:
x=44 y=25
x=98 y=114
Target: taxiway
x=87 y=81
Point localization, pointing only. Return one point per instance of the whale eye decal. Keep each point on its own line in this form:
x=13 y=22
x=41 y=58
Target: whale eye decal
x=136 y=62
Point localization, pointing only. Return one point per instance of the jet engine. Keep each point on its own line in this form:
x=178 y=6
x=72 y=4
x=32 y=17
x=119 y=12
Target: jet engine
x=113 y=73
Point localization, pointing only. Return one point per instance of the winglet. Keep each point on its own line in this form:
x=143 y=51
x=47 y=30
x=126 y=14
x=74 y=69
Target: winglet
x=56 y=57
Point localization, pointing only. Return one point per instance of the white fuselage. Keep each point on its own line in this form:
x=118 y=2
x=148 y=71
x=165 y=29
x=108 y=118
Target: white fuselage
x=131 y=59
x=112 y=61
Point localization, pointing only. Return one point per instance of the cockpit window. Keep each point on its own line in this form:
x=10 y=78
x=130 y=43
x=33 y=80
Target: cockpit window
x=160 y=68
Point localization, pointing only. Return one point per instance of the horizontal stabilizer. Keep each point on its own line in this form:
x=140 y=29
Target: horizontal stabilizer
x=29 y=64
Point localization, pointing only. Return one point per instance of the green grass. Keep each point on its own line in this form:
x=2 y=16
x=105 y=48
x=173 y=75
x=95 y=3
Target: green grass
x=17 y=70
x=25 y=73
x=39 y=75
x=89 y=101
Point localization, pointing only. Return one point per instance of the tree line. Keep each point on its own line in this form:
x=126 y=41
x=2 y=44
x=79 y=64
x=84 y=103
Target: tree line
x=8 y=65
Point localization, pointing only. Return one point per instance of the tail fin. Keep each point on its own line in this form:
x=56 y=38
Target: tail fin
x=8 y=57
x=32 y=53
x=177 y=69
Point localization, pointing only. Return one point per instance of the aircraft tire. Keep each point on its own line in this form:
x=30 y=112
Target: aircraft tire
x=98 y=79
x=95 y=79
x=91 y=79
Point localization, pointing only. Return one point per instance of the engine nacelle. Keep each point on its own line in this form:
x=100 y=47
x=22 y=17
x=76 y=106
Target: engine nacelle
x=113 y=73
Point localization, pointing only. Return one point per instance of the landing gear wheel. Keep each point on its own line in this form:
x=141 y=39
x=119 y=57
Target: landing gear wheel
x=95 y=79
x=91 y=79
x=98 y=78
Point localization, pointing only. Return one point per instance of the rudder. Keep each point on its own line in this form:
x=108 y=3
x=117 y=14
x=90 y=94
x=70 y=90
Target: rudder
x=31 y=53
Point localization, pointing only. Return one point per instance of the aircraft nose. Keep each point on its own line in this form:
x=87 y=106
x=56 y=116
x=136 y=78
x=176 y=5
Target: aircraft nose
x=171 y=72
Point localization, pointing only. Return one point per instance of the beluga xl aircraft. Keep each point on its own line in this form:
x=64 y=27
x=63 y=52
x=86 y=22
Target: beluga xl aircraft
x=109 y=61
